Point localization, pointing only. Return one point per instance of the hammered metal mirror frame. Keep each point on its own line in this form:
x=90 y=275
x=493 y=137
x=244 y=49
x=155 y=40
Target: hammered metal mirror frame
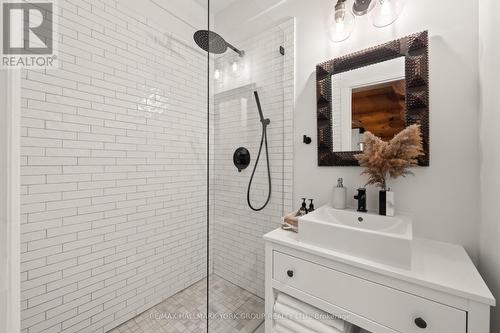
x=415 y=49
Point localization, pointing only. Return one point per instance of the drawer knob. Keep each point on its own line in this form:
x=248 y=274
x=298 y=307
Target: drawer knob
x=420 y=323
x=289 y=273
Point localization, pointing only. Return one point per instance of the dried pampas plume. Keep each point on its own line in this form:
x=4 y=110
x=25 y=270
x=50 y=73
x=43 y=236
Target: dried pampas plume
x=390 y=159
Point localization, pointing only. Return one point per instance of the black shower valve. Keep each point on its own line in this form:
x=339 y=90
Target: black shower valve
x=241 y=158
x=307 y=140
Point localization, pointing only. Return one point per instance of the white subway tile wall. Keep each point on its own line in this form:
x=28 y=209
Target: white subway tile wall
x=113 y=172
x=238 y=243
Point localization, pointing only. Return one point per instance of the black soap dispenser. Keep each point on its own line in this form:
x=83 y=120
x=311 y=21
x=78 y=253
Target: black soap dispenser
x=311 y=206
x=303 y=209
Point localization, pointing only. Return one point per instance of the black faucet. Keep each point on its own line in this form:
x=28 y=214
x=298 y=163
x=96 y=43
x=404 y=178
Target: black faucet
x=361 y=197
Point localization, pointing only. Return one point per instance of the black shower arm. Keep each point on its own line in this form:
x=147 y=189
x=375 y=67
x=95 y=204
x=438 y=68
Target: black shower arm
x=240 y=53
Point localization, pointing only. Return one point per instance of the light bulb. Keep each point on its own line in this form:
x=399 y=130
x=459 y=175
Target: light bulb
x=340 y=26
x=235 y=67
x=386 y=12
x=341 y=23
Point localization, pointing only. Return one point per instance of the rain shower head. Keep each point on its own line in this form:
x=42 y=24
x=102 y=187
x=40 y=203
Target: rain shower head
x=214 y=43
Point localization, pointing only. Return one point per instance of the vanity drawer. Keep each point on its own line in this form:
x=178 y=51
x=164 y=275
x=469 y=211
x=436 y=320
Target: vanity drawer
x=387 y=306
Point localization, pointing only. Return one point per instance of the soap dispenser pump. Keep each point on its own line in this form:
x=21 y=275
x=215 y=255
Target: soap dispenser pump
x=339 y=195
x=303 y=209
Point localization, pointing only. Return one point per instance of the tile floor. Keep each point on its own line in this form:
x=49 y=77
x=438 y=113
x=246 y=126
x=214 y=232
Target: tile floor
x=180 y=313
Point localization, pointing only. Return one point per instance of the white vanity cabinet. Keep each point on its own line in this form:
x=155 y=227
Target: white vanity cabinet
x=442 y=292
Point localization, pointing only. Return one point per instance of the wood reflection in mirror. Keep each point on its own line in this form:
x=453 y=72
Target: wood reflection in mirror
x=380 y=109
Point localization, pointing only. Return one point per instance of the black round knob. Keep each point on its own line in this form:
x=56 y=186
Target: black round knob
x=289 y=273
x=420 y=323
x=241 y=158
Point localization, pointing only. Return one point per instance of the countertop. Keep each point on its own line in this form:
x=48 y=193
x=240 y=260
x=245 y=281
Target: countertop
x=440 y=266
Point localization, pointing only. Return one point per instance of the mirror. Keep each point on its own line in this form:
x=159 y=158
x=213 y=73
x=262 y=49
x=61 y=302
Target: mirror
x=383 y=90
x=371 y=98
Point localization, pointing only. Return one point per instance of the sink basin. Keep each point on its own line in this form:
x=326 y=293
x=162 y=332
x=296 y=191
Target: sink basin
x=387 y=240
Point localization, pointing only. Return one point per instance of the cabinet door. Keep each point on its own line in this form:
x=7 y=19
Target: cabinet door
x=392 y=308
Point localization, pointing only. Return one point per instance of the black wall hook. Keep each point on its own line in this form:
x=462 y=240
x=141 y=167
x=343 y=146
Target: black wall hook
x=307 y=140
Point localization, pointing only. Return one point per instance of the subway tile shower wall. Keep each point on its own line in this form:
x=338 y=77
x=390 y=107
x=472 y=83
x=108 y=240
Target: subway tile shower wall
x=238 y=244
x=113 y=172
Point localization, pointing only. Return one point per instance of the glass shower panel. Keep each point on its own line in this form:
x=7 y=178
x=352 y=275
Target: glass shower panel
x=236 y=288
x=114 y=151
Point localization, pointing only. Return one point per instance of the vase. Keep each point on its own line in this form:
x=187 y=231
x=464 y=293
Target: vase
x=386 y=203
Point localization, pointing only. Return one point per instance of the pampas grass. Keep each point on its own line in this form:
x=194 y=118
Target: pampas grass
x=392 y=159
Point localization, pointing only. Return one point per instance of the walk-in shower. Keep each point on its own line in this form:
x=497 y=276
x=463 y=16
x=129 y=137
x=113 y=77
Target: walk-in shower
x=134 y=218
x=213 y=43
x=249 y=110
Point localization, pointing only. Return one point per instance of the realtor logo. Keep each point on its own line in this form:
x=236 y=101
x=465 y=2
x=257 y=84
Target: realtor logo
x=28 y=34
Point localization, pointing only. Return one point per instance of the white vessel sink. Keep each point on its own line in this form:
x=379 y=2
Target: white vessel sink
x=387 y=240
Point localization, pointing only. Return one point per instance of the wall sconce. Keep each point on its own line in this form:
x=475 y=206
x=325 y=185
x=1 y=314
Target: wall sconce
x=362 y=7
x=342 y=21
x=387 y=12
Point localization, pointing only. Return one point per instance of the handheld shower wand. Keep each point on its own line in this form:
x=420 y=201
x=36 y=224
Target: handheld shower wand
x=265 y=122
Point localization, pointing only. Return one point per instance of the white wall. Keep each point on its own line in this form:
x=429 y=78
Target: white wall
x=489 y=244
x=444 y=198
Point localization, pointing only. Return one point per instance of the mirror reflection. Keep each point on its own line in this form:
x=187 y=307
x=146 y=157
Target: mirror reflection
x=371 y=98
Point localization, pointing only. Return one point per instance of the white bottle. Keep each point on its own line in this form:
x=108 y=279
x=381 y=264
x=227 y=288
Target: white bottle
x=340 y=195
